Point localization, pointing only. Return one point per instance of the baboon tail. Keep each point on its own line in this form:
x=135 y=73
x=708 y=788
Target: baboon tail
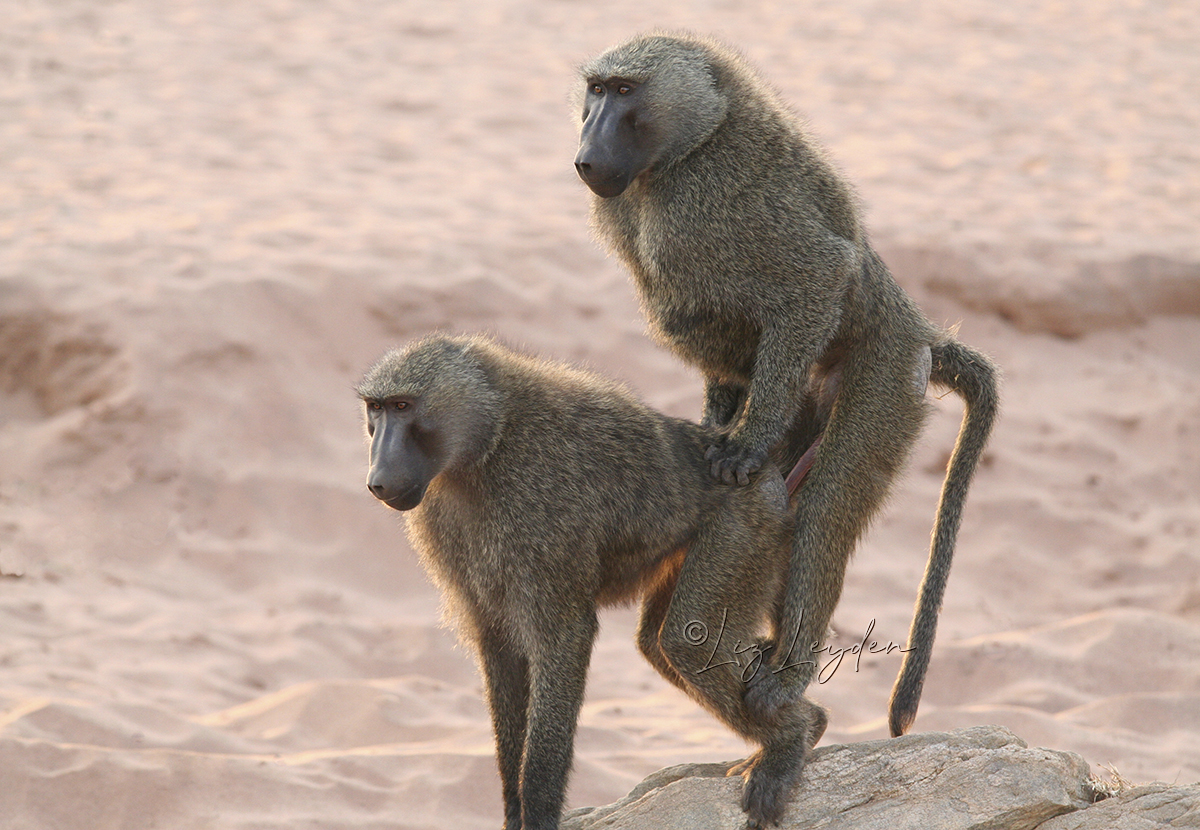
x=976 y=380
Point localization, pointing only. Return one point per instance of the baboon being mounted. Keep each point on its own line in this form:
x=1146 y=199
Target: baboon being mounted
x=535 y=493
x=752 y=263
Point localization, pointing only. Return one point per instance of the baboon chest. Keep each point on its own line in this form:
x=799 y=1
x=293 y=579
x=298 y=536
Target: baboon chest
x=718 y=343
x=697 y=312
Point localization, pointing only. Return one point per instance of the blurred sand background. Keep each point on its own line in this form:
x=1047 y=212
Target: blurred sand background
x=213 y=215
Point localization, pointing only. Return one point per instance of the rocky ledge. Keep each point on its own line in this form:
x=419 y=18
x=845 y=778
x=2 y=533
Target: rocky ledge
x=982 y=778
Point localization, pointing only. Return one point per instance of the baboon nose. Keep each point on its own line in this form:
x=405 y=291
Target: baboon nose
x=397 y=495
x=582 y=168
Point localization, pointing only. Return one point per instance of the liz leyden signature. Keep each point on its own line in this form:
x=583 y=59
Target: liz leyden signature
x=749 y=656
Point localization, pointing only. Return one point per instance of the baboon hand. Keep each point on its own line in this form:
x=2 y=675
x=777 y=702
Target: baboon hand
x=732 y=461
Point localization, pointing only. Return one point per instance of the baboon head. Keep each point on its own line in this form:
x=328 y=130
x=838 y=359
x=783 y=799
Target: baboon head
x=429 y=408
x=646 y=102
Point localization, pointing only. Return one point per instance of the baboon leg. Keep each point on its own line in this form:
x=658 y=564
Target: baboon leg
x=874 y=423
x=506 y=675
x=772 y=772
x=654 y=610
x=713 y=625
x=712 y=635
x=558 y=674
x=820 y=720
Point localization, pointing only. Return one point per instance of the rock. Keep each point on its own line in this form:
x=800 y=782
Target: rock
x=983 y=778
x=1138 y=808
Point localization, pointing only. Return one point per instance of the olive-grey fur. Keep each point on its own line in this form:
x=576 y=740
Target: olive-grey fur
x=552 y=491
x=749 y=254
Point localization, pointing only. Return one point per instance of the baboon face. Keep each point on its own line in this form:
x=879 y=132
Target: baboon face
x=404 y=452
x=617 y=142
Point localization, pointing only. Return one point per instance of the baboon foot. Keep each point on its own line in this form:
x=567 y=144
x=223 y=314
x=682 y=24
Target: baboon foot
x=771 y=774
x=742 y=767
x=770 y=777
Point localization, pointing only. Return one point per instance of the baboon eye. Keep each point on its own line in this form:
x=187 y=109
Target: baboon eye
x=624 y=89
x=597 y=89
x=401 y=406
x=374 y=406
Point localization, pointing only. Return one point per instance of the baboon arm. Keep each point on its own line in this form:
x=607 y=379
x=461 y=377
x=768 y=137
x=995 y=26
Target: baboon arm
x=506 y=675
x=781 y=369
x=722 y=401
x=557 y=678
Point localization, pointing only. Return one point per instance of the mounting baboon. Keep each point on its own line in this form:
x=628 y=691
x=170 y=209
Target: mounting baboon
x=752 y=264
x=536 y=493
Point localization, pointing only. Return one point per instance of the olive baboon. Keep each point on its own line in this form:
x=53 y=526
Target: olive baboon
x=748 y=251
x=535 y=493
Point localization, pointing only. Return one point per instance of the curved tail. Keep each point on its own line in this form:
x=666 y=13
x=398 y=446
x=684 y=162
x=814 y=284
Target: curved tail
x=976 y=380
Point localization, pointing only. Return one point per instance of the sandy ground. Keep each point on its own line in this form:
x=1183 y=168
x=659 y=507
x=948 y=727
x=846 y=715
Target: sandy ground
x=213 y=215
